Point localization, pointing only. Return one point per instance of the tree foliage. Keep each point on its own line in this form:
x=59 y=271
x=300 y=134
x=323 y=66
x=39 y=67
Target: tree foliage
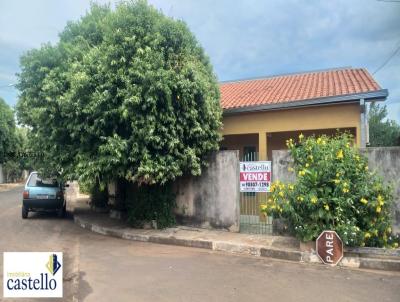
x=19 y=159
x=125 y=93
x=13 y=144
x=7 y=131
x=382 y=131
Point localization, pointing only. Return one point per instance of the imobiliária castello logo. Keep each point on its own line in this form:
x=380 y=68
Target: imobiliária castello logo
x=31 y=274
x=53 y=265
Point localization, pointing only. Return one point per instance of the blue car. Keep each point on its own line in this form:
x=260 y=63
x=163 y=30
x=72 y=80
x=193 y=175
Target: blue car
x=43 y=195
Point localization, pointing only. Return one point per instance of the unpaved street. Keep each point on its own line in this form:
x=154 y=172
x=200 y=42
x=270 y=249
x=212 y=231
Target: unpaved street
x=99 y=268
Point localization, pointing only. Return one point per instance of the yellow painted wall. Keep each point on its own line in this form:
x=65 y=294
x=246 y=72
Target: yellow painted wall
x=309 y=118
x=277 y=140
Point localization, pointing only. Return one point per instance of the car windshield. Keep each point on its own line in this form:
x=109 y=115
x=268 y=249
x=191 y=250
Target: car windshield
x=37 y=181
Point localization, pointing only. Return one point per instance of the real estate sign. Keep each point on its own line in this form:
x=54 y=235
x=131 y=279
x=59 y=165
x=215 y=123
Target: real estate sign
x=255 y=176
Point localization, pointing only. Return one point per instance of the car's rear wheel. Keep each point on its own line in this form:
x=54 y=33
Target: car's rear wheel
x=24 y=212
x=61 y=212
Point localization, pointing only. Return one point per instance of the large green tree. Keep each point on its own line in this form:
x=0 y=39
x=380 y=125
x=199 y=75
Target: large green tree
x=382 y=131
x=125 y=93
x=7 y=131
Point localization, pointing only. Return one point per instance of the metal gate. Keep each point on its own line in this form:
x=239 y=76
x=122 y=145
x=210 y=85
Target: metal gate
x=252 y=221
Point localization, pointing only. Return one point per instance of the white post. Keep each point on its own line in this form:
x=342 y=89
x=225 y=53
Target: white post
x=363 y=130
x=367 y=124
x=1 y=174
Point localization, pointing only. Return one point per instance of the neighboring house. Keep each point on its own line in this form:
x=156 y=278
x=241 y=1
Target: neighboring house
x=259 y=115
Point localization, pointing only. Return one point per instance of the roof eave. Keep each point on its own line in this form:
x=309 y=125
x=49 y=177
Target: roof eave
x=377 y=95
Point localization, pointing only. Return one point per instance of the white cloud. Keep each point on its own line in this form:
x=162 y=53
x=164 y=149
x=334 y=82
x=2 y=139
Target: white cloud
x=243 y=38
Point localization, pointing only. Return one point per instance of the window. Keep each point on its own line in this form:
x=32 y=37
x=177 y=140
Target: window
x=249 y=153
x=36 y=181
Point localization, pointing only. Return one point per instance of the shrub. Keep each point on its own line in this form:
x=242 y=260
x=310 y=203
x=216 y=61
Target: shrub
x=98 y=194
x=152 y=202
x=334 y=190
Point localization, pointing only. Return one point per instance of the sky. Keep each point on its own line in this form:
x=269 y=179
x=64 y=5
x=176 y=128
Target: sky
x=244 y=39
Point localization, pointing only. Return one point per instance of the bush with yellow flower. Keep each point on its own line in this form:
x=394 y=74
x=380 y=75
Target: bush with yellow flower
x=334 y=190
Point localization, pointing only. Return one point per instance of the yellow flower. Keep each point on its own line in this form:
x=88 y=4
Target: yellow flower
x=310 y=157
x=380 y=200
x=357 y=158
x=378 y=209
x=323 y=142
x=290 y=169
x=300 y=198
x=395 y=245
x=314 y=199
x=389 y=230
x=291 y=187
x=339 y=154
x=363 y=200
x=281 y=194
x=302 y=173
x=307 y=165
x=326 y=207
x=319 y=140
x=345 y=184
x=366 y=168
x=367 y=235
x=301 y=136
x=345 y=190
x=348 y=145
x=336 y=181
x=289 y=143
x=263 y=207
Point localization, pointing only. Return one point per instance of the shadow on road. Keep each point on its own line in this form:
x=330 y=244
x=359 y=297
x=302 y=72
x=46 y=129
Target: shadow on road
x=84 y=288
x=49 y=216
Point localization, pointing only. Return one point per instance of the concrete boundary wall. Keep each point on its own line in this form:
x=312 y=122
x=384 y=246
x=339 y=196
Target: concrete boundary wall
x=385 y=160
x=212 y=199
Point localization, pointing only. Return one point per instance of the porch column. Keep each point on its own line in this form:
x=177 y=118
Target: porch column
x=262 y=146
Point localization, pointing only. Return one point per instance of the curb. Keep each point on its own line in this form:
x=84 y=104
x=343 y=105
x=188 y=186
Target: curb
x=356 y=260
x=5 y=187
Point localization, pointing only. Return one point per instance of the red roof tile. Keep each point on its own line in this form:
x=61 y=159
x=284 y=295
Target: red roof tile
x=296 y=87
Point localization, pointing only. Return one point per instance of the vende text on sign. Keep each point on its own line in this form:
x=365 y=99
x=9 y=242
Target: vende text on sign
x=255 y=176
x=329 y=247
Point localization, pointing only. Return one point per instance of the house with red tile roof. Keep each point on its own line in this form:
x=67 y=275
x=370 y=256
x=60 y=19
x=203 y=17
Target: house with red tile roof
x=260 y=114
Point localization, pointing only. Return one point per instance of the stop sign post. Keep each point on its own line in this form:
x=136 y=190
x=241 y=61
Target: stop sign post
x=329 y=247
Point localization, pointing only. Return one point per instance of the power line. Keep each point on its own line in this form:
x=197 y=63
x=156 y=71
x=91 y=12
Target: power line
x=387 y=60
